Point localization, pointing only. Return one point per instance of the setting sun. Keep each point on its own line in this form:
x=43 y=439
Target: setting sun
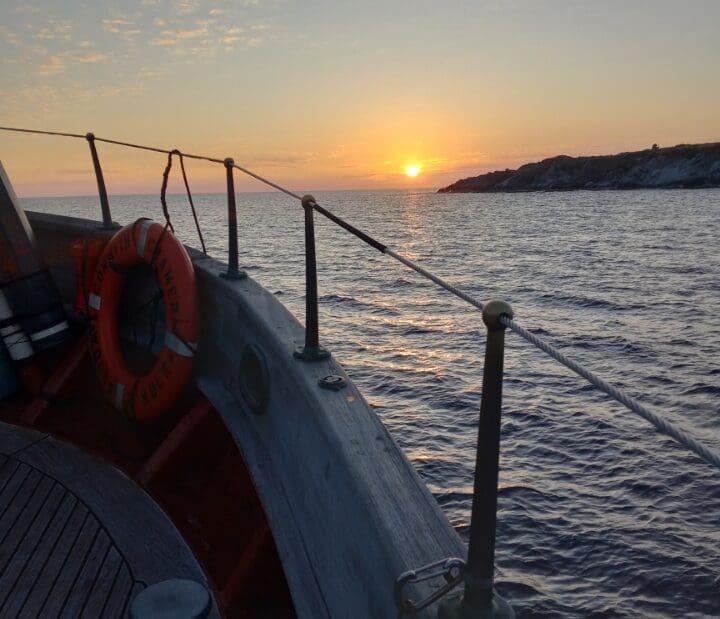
x=412 y=170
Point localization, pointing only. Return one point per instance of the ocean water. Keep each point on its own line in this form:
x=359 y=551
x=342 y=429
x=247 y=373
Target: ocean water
x=599 y=515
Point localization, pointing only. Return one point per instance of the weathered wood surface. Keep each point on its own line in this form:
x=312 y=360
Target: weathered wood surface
x=77 y=538
x=347 y=510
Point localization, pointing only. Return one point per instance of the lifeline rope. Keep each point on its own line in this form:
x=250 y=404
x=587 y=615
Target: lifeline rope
x=662 y=425
x=163 y=193
x=192 y=204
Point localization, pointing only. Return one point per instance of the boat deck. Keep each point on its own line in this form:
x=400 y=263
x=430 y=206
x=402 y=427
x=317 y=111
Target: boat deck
x=77 y=537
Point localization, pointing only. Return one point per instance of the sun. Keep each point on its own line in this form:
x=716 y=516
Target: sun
x=412 y=170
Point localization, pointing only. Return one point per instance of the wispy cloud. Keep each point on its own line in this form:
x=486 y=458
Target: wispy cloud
x=284 y=160
x=9 y=36
x=115 y=25
x=191 y=34
x=52 y=66
x=93 y=58
x=163 y=42
x=148 y=72
x=186 y=7
x=122 y=27
x=55 y=30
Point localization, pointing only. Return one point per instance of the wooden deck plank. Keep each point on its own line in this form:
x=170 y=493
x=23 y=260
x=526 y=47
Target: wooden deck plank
x=11 y=488
x=17 y=535
x=87 y=577
x=106 y=581
x=118 y=600
x=73 y=563
x=77 y=537
x=36 y=559
x=55 y=559
x=24 y=494
x=127 y=512
x=20 y=544
x=7 y=469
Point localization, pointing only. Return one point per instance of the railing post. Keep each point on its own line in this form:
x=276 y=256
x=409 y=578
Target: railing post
x=233 y=271
x=312 y=351
x=479 y=598
x=104 y=203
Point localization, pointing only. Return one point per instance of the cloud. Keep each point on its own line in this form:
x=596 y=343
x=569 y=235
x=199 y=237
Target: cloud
x=114 y=25
x=93 y=58
x=191 y=34
x=55 y=30
x=52 y=66
x=148 y=72
x=186 y=7
x=286 y=160
x=122 y=27
x=9 y=36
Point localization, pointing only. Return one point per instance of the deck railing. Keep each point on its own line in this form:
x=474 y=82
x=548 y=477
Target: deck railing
x=478 y=572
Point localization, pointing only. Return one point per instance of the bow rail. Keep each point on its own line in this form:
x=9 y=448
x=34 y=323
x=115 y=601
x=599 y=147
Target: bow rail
x=479 y=595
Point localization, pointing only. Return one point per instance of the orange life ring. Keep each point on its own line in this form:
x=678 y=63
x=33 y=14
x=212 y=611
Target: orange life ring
x=148 y=396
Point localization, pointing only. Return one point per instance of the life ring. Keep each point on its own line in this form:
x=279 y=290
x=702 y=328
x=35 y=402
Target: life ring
x=144 y=397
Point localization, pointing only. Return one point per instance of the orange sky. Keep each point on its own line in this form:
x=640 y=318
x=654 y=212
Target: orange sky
x=332 y=95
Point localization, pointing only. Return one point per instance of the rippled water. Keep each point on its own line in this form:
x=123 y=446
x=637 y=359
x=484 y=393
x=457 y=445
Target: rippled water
x=598 y=514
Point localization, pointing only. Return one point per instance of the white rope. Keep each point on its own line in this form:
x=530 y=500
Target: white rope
x=440 y=282
x=661 y=424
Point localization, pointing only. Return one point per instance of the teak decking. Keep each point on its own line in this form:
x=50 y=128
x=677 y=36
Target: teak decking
x=77 y=537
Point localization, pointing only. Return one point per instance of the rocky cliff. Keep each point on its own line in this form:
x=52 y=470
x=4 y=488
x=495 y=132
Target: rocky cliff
x=683 y=166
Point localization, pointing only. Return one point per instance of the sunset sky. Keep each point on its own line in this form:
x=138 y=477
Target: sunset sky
x=335 y=94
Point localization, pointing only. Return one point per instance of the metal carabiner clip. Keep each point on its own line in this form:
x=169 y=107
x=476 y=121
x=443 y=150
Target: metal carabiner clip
x=450 y=569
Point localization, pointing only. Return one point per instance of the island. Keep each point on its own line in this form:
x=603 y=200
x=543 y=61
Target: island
x=684 y=166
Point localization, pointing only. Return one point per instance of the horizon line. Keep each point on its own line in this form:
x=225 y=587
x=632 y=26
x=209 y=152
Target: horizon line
x=222 y=193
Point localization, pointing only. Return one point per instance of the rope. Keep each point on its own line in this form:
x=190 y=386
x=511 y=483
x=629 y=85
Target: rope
x=37 y=131
x=440 y=282
x=192 y=204
x=163 y=191
x=662 y=425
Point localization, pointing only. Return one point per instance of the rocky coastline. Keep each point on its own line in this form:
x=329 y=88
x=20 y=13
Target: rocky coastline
x=684 y=166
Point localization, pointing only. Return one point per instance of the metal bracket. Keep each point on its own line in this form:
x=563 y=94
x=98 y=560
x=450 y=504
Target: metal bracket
x=333 y=382
x=450 y=569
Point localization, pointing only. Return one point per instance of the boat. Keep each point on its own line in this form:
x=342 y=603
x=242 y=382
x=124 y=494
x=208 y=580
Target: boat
x=264 y=485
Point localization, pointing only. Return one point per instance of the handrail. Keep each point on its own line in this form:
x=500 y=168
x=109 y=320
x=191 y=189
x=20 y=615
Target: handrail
x=479 y=597
x=102 y=191
x=662 y=425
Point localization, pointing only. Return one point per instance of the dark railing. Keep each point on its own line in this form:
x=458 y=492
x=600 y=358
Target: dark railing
x=479 y=598
x=311 y=351
x=233 y=271
x=102 y=191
